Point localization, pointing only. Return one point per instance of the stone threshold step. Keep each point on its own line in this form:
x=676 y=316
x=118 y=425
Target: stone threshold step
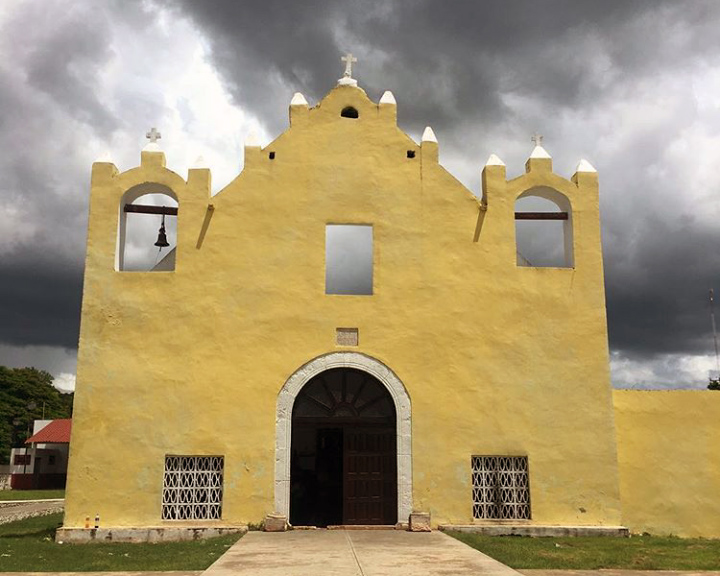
x=352 y=527
x=363 y=527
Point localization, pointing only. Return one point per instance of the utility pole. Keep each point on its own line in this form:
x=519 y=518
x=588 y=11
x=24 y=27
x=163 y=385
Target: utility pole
x=712 y=319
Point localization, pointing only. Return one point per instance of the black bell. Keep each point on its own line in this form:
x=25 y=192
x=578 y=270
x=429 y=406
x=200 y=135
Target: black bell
x=162 y=237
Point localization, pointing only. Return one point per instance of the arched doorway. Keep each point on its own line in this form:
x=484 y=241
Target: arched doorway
x=403 y=430
x=343 y=451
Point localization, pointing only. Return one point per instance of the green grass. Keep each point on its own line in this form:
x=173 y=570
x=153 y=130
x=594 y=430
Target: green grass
x=28 y=546
x=591 y=553
x=30 y=494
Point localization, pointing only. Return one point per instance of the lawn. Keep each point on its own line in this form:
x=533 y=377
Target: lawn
x=30 y=494
x=635 y=553
x=28 y=546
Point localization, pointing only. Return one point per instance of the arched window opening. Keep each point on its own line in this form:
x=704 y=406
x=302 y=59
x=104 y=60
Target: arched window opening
x=147 y=231
x=349 y=112
x=543 y=229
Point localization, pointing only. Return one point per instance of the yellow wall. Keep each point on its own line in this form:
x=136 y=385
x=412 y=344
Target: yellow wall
x=497 y=359
x=669 y=460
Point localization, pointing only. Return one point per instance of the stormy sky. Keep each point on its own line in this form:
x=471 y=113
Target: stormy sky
x=632 y=86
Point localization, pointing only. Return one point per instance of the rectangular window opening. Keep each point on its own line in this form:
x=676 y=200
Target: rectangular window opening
x=192 y=488
x=349 y=259
x=22 y=460
x=501 y=489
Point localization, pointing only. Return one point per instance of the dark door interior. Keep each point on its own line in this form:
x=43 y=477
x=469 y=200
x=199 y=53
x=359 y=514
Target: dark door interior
x=343 y=463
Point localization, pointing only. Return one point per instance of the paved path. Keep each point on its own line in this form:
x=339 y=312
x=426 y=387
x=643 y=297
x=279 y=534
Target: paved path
x=613 y=572
x=353 y=553
x=606 y=572
x=20 y=509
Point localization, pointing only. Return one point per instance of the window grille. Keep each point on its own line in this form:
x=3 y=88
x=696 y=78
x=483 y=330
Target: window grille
x=501 y=490
x=192 y=488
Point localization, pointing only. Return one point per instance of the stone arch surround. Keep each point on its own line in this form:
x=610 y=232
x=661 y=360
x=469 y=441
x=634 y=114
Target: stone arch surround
x=283 y=423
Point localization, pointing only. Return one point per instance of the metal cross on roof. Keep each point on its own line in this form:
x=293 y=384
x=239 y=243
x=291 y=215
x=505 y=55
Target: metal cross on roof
x=153 y=135
x=537 y=138
x=348 y=59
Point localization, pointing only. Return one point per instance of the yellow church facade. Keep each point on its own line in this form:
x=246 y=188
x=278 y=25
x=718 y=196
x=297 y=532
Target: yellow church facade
x=240 y=382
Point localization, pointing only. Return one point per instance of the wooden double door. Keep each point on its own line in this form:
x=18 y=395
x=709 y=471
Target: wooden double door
x=369 y=476
x=349 y=477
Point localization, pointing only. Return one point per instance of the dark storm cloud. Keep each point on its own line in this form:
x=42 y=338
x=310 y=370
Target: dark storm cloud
x=484 y=74
x=44 y=297
x=65 y=67
x=658 y=297
x=66 y=59
x=452 y=65
x=51 y=107
x=448 y=62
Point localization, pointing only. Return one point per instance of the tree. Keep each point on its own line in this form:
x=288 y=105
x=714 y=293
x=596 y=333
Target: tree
x=24 y=392
x=714 y=384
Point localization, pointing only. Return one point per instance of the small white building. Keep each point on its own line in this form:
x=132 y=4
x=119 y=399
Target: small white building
x=42 y=463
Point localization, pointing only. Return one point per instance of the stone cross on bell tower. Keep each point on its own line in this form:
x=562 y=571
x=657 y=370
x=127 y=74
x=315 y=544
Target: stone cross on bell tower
x=348 y=59
x=153 y=135
x=537 y=138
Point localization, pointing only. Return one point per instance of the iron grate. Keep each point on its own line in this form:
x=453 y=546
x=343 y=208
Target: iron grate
x=501 y=490
x=192 y=488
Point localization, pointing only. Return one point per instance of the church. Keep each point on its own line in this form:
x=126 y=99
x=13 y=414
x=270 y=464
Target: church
x=345 y=335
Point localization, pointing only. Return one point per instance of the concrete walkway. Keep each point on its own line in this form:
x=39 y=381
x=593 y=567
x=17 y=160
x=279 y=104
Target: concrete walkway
x=353 y=553
x=614 y=572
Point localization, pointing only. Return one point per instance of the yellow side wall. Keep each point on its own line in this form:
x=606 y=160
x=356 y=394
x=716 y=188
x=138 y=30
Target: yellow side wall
x=669 y=460
x=497 y=359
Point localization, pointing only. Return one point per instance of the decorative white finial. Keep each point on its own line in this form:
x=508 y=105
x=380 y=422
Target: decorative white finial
x=252 y=140
x=348 y=59
x=298 y=100
x=153 y=135
x=585 y=166
x=387 y=98
x=200 y=163
x=539 y=151
x=429 y=135
x=494 y=161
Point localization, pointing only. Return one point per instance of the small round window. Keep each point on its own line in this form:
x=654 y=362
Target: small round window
x=349 y=112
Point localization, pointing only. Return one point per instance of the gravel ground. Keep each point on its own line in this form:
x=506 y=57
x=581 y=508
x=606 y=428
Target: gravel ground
x=11 y=511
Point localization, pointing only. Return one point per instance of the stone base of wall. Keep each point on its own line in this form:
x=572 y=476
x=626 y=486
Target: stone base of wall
x=536 y=530
x=420 y=522
x=158 y=534
x=275 y=523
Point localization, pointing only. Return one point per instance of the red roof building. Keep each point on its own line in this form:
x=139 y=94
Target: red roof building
x=57 y=432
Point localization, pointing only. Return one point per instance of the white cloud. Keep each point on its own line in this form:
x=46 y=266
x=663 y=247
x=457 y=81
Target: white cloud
x=664 y=371
x=65 y=382
x=163 y=72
